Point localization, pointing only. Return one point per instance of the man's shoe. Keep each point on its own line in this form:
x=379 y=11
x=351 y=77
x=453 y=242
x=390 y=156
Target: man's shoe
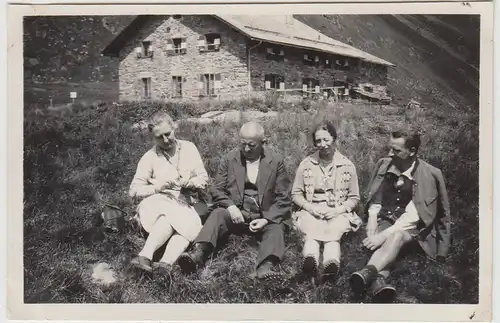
x=381 y=291
x=331 y=272
x=310 y=266
x=361 y=279
x=191 y=261
x=267 y=274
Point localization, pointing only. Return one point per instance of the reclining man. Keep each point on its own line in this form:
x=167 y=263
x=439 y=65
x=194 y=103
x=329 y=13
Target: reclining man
x=407 y=201
x=251 y=193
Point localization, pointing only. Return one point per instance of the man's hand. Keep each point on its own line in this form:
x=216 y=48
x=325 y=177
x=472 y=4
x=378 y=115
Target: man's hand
x=371 y=226
x=235 y=214
x=258 y=224
x=375 y=241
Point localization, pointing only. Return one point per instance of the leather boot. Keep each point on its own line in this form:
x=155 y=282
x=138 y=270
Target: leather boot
x=381 y=291
x=361 y=279
x=196 y=258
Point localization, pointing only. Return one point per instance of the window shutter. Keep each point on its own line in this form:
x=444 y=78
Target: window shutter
x=138 y=51
x=170 y=46
x=217 y=41
x=282 y=85
x=218 y=82
x=201 y=82
x=346 y=92
x=304 y=87
x=316 y=88
x=184 y=43
x=201 y=42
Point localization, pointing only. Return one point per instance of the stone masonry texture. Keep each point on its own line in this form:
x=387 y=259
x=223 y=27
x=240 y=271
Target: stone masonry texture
x=231 y=62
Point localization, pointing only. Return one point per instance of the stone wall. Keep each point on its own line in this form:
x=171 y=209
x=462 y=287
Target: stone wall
x=230 y=61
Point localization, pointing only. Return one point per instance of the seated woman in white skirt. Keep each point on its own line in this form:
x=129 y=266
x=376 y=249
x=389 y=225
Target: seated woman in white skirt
x=168 y=170
x=326 y=192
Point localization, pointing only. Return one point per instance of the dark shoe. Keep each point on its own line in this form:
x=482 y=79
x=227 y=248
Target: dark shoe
x=381 y=291
x=191 y=261
x=331 y=272
x=142 y=263
x=267 y=274
x=361 y=279
x=310 y=266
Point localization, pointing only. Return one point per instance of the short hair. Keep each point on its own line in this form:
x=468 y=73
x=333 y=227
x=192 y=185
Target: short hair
x=158 y=118
x=327 y=126
x=411 y=137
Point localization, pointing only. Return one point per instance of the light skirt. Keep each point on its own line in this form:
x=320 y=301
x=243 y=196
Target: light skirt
x=322 y=230
x=183 y=218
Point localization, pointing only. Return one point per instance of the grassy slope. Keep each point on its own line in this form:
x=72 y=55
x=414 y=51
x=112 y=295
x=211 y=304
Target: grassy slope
x=71 y=159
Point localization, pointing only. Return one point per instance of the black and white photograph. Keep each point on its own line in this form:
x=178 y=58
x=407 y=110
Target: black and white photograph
x=252 y=158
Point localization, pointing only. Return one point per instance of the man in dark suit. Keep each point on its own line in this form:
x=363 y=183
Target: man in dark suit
x=251 y=193
x=407 y=202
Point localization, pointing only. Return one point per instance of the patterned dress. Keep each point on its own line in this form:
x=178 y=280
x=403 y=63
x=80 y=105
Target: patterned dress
x=333 y=185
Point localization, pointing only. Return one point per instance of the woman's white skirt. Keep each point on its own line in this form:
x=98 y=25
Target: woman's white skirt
x=182 y=217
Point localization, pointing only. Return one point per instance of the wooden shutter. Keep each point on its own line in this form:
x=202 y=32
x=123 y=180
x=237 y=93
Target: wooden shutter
x=304 y=87
x=217 y=41
x=138 y=51
x=201 y=82
x=218 y=81
x=267 y=81
x=202 y=42
x=282 y=85
x=184 y=43
x=170 y=46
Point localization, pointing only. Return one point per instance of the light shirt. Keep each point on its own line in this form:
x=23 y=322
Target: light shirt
x=156 y=168
x=253 y=170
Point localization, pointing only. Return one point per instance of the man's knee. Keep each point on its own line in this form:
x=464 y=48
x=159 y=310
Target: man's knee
x=274 y=230
x=397 y=238
x=219 y=215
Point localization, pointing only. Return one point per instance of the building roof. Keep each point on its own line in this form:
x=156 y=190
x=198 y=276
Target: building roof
x=278 y=29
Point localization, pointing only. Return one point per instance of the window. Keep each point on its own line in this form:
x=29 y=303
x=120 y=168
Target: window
x=275 y=53
x=310 y=85
x=145 y=50
x=209 y=84
x=176 y=46
x=146 y=87
x=311 y=59
x=177 y=86
x=342 y=63
x=274 y=81
x=209 y=42
x=327 y=61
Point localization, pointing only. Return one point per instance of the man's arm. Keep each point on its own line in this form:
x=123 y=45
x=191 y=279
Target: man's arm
x=219 y=191
x=443 y=218
x=280 y=209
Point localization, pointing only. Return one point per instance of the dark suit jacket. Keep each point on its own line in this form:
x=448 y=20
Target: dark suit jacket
x=272 y=183
x=431 y=201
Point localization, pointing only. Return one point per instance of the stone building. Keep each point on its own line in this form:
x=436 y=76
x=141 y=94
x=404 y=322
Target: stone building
x=192 y=57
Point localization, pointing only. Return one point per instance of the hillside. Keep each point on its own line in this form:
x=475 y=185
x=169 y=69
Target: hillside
x=436 y=57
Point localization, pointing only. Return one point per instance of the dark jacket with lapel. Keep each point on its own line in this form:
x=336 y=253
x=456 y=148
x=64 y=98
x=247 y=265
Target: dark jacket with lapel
x=272 y=183
x=431 y=201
